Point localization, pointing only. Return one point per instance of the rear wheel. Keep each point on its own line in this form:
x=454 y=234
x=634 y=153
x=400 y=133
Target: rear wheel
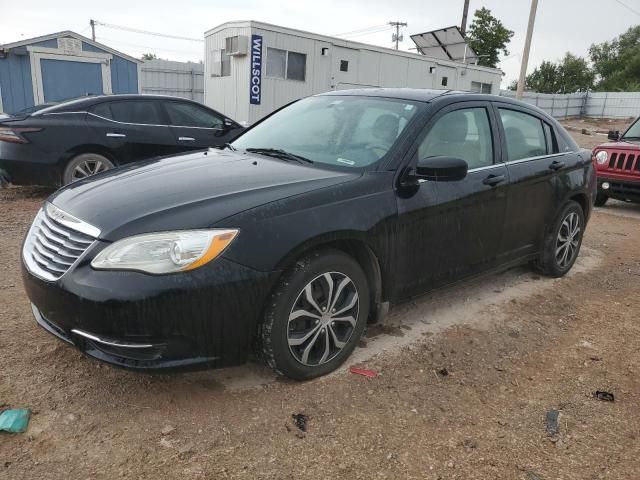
x=562 y=242
x=316 y=315
x=601 y=199
x=85 y=165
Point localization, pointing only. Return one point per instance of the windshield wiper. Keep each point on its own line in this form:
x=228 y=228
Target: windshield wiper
x=279 y=153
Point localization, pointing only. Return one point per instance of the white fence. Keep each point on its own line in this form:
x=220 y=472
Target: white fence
x=584 y=104
x=180 y=79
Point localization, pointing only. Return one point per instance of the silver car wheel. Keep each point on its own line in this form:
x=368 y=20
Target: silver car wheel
x=88 y=168
x=568 y=240
x=323 y=318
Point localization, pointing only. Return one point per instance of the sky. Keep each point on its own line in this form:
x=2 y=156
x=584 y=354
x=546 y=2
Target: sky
x=561 y=25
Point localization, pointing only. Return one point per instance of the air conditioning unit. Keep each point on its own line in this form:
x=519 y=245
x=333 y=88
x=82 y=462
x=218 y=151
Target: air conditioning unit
x=237 y=45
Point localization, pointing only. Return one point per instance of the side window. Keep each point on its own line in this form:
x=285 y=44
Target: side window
x=524 y=135
x=464 y=134
x=102 y=110
x=136 y=111
x=190 y=115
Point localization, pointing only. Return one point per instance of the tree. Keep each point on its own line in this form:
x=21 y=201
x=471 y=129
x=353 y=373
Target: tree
x=617 y=63
x=574 y=75
x=149 y=56
x=571 y=74
x=543 y=79
x=487 y=36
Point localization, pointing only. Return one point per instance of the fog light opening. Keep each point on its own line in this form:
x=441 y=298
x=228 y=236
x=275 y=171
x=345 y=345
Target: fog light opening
x=605 y=185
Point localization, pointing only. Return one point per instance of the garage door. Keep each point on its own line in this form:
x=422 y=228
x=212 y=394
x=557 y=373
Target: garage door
x=63 y=79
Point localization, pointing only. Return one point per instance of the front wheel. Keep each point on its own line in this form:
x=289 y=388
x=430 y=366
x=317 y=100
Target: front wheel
x=562 y=242
x=85 y=165
x=315 y=316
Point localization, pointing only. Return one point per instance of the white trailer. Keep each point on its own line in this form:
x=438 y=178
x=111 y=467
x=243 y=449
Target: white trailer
x=253 y=68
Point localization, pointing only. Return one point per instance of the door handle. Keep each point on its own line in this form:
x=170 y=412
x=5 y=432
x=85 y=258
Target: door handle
x=186 y=139
x=556 y=165
x=493 y=180
x=116 y=135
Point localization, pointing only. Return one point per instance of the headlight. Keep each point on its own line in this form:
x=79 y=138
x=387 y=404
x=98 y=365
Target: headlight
x=165 y=252
x=602 y=157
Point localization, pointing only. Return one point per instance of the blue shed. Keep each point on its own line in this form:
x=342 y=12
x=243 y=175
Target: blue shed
x=61 y=66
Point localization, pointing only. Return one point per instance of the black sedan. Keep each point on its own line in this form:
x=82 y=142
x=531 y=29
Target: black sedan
x=58 y=144
x=304 y=229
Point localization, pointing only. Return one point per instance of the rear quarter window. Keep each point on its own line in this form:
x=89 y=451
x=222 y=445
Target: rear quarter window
x=102 y=110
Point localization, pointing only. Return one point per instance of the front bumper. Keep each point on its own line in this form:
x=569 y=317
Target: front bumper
x=620 y=188
x=201 y=319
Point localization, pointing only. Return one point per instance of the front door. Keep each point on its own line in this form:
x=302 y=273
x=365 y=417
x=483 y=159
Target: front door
x=196 y=127
x=453 y=229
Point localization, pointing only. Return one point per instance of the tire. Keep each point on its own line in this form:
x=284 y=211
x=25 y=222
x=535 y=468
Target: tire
x=293 y=325
x=601 y=199
x=562 y=236
x=89 y=163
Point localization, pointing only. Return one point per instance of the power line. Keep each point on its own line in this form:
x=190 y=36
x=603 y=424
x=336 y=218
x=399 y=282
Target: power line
x=628 y=7
x=146 y=47
x=146 y=32
x=370 y=32
x=362 y=30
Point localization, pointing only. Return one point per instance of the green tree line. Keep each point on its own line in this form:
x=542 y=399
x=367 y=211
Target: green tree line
x=611 y=66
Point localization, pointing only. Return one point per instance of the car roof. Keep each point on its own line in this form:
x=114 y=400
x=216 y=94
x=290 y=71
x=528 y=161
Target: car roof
x=84 y=102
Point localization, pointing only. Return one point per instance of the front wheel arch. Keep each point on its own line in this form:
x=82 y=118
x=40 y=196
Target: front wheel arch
x=356 y=248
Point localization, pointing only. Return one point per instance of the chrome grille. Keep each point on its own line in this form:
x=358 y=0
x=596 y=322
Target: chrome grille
x=55 y=242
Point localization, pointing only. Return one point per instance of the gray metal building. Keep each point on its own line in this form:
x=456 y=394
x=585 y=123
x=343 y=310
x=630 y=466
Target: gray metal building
x=253 y=68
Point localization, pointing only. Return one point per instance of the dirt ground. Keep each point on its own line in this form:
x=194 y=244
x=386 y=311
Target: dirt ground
x=465 y=379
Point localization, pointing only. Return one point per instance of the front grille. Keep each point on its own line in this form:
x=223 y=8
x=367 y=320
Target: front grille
x=52 y=245
x=624 y=162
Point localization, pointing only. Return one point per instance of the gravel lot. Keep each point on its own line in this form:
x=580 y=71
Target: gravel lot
x=466 y=377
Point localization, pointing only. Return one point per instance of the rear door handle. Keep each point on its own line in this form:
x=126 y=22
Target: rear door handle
x=493 y=180
x=116 y=135
x=557 y=165
x=186 y=139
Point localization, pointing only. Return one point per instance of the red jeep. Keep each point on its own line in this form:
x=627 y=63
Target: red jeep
x=618 y=166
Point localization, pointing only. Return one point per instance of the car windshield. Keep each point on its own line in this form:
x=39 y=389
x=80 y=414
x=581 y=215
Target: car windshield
x=633 y=133
x=346 y=131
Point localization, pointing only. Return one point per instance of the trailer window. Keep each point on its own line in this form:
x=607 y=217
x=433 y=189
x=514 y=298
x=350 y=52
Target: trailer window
x=286 y=65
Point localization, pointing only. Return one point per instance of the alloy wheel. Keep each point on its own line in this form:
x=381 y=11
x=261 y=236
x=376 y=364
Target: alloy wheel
x=323 y=318
x=87 y=168
x=568 y=240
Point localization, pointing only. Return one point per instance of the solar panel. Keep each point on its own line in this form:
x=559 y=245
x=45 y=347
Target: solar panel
x=445 y=44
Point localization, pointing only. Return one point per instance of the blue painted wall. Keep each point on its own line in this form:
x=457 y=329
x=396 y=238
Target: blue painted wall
x=15 y=76
x=15 y=83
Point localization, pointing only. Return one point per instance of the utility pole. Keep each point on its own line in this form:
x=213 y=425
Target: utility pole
x=93 y=29
x=397 y=37
x=527 y=47
x=465 y=12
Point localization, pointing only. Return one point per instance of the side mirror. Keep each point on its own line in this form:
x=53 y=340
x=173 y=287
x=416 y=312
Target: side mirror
x=228 y=123
x=614 y=135
x=442 y=169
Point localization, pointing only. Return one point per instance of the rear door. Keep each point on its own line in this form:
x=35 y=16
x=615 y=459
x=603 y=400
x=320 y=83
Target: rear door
x=132 y=129
x=533 y=162
x=195 y=127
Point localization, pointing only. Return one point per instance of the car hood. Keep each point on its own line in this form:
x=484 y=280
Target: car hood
x=622 y=145
x=187 y=191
